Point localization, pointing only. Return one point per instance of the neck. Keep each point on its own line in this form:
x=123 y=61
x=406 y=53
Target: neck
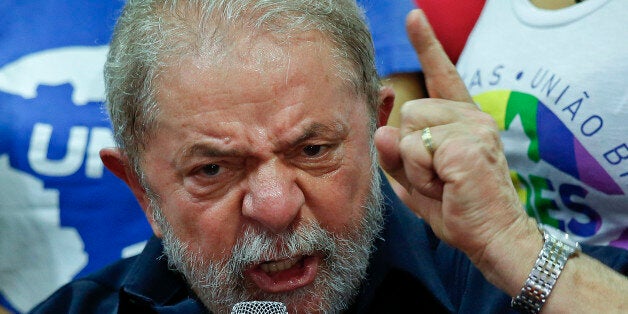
x=553 y=4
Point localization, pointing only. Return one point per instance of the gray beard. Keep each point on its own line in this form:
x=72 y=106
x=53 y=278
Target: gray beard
x=221 y=284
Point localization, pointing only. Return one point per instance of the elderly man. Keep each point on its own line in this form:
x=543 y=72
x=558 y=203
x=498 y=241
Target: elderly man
x=247 y=131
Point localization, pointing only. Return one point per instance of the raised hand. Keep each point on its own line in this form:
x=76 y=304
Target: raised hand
x=463 y=188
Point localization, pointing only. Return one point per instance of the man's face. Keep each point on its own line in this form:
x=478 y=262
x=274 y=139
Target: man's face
x=261 y=168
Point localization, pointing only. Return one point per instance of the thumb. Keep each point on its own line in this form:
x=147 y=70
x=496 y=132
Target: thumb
x=387 y=144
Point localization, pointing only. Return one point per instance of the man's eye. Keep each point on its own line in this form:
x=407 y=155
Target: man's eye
x=312 y=150
x=211 y=169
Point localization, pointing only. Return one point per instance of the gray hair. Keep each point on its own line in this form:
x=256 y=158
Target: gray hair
x=151 y=33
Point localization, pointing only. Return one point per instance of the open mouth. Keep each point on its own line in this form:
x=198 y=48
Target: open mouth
x=284 y=274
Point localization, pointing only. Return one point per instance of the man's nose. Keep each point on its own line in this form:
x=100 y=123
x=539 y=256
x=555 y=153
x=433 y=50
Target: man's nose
x=274 y=198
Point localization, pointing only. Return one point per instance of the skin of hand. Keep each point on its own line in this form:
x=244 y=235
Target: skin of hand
x=465 y=193
x=464 y=190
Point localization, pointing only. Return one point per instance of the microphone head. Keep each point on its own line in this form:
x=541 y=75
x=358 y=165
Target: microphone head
x=259 y=307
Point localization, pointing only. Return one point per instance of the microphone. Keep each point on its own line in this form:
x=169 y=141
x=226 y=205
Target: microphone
x=259 y=307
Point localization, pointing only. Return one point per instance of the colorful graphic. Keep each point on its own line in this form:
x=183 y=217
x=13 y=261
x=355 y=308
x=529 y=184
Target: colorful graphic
x=550 y=139
x=538 y=142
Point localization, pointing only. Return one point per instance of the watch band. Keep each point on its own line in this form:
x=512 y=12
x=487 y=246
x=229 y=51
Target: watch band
x=557 y=248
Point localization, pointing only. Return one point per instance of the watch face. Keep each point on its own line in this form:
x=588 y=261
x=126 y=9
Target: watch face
x=560 y=235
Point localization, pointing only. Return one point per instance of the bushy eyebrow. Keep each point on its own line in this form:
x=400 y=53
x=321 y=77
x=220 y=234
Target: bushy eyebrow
x=209 y=150
x=336 y=130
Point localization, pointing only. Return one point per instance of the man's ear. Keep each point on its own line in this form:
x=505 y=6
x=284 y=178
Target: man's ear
x=387 y=101
x=118 y=163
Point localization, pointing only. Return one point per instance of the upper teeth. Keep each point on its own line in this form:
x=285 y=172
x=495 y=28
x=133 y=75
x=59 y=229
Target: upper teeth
x=271 y=267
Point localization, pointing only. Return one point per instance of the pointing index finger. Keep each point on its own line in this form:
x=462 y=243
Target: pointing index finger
x=441 y=77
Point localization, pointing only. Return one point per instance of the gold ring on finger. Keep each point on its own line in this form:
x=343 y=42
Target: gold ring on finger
x=426 y=137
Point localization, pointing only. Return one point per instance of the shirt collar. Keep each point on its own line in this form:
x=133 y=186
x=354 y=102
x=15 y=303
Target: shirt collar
x=151 y=284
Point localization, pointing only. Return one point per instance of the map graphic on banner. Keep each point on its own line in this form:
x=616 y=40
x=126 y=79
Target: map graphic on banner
x=62 y=214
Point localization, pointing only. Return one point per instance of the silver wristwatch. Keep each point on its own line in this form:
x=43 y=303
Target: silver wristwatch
x=557 y=248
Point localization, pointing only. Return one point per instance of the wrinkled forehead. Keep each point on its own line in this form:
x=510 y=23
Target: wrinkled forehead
x=257 y=69
x=275 y=58
x=263 y=93
x=270 y=59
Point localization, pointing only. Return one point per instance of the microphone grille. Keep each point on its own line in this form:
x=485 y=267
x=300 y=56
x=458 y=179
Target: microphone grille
x=259 y=307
